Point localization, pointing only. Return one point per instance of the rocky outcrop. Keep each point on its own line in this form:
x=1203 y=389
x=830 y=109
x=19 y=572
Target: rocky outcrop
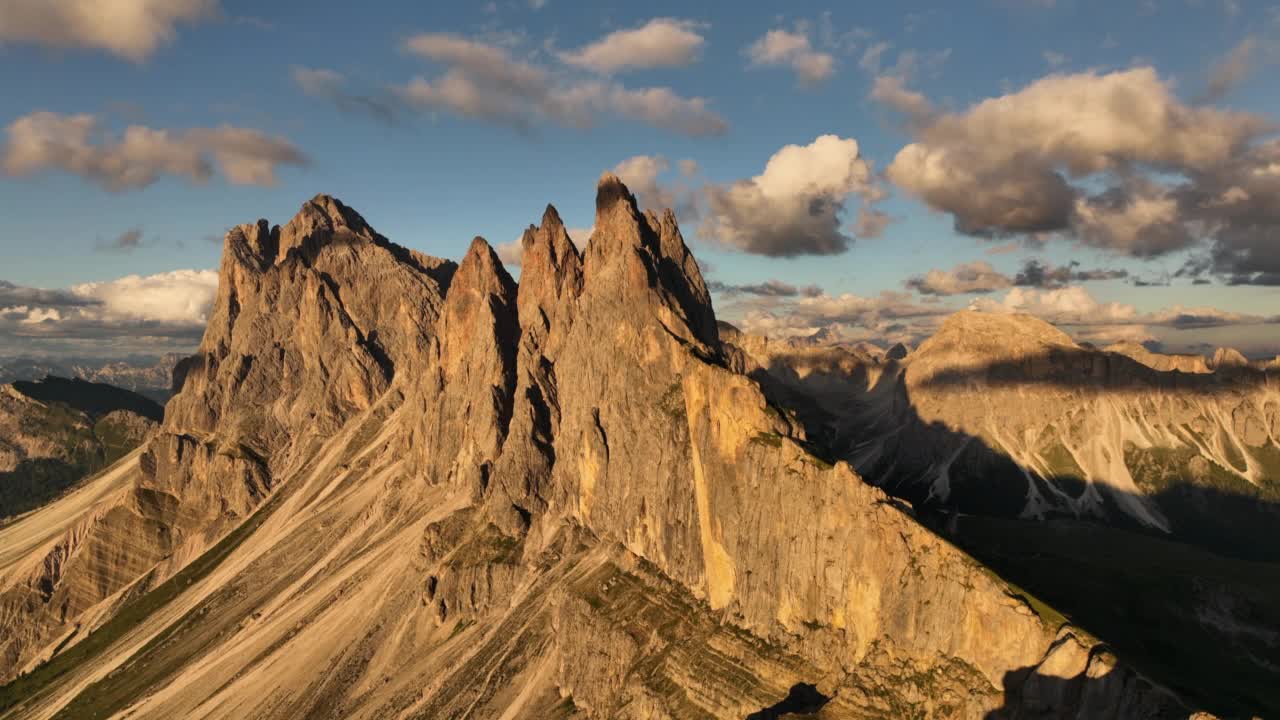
x=1225 y=358
x=557 y=499
x=1160 y=361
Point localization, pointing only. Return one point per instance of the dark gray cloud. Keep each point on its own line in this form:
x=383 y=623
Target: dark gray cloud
x=1035 y=273
x=768 y=288
x=126 y=242
x=383 y=106
x=11 y=295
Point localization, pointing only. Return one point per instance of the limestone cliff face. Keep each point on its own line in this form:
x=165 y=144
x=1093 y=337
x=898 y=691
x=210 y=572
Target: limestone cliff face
x=556 y=499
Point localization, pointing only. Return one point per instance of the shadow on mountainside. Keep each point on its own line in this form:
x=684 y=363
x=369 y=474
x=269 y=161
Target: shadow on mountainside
x=1193 y=609
x=1032 y=695
x=1103 y=372
x=93 y=399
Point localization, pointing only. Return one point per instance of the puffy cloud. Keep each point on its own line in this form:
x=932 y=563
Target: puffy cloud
x=661 y=42
x=890 y=316
x=793 y=49
x=794 y=206
x=483 y=81
x=1174 y=176
x=132 y=29
x=974 y=277
x=1068 y=306
x=166 y=311
x=332 y=86
x=1085 y=318
x=510 y=253
x=180 y=297
x=75 y=144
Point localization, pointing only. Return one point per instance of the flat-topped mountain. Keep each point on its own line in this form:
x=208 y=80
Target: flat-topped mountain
x=392 y=486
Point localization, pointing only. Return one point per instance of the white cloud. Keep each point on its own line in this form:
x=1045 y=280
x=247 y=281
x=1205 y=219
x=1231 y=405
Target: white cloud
x=179 y=296
x=792 y=48
x=132 y=29
x=891 y=316
x=661 y=42
x=511 y=253
x=1076 y=310
x=974 y=277
x=1069 y=305
x=141 y=155
x=794 y=206
x=485 y=82
x=166 y=311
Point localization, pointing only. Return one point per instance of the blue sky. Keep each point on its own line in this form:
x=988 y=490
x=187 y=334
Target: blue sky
x=434 y=178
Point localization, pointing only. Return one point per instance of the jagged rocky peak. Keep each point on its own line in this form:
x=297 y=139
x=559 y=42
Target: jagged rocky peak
x=321 y=220
x=1225 y=357
x=618 y=225
x=551 y=277
x=641 y=259
x=482 y=271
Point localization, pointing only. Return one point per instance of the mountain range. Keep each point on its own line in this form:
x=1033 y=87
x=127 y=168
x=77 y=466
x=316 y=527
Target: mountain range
x=391 y=485
x=146 y=375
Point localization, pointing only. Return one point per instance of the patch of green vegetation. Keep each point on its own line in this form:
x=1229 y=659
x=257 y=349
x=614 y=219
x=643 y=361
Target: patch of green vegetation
x=1268 y=459
x=1232 y=452
x=672 y=402
x=772 y=439
x=92 y=703
x=116 y=439
x=1061 y=462
x=814 y=460
x=488 y=546
x=459 y=628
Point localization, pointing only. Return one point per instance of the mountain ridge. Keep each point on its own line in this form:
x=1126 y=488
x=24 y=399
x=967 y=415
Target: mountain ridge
x=461 y=498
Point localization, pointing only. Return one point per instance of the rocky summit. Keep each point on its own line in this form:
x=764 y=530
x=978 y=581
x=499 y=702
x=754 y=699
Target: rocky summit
x=392 y=486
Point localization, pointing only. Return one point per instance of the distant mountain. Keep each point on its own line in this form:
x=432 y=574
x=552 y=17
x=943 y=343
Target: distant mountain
x=395 y=486
x=55 y=432
x=1005 y=415
x=149 y=376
